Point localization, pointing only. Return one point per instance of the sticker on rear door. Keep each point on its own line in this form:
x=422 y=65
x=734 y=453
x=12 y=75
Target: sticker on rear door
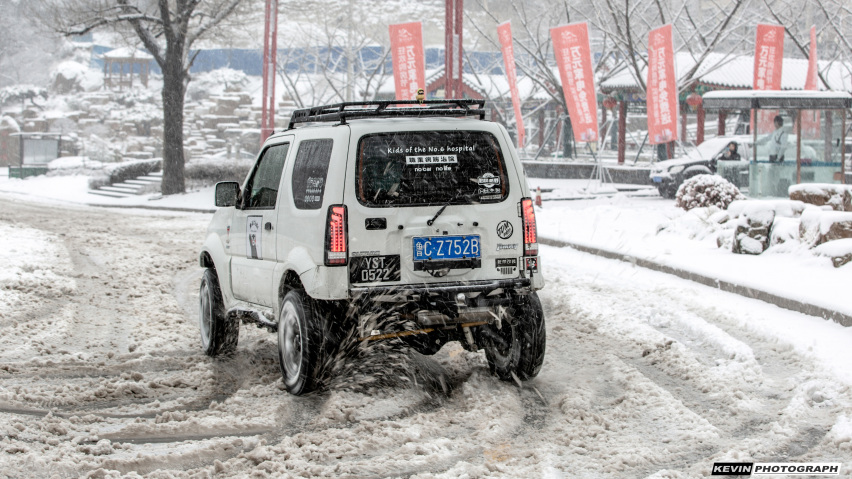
x=504 y=229
x=254 y=237
x=506 y=265
x=374 y=269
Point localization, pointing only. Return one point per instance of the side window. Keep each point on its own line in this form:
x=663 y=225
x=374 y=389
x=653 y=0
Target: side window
x=262 y=188
x=309 y=173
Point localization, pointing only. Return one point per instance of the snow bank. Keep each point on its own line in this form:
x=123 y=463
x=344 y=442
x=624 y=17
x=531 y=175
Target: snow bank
x=74 y=162
x=841 y=433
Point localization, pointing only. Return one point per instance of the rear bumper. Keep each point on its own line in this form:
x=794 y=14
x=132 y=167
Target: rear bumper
x=444 y=288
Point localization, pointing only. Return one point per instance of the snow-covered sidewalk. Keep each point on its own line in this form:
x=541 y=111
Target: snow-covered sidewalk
x=74 y=190
x=653 y=229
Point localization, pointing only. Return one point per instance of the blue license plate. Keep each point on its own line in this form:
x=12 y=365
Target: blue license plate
x=658 y=179
x=446 y=247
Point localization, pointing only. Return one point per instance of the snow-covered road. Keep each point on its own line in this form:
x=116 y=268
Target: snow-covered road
x=101 y=372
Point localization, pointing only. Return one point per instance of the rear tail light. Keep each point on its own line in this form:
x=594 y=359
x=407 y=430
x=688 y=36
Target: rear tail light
x=530 y=236
x=336 y=253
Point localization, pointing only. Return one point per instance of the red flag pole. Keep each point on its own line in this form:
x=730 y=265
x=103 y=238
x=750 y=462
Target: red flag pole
x=458 y=90
x=270 y=51
x=448 y=48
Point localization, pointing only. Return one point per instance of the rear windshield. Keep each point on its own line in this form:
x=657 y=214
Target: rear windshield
x=430 y=167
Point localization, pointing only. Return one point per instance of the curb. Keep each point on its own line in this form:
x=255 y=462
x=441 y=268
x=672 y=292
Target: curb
x=780 y=301
x=153 y=208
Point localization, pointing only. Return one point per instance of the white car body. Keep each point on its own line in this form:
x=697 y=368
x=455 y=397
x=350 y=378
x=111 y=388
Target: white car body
x=293 y=246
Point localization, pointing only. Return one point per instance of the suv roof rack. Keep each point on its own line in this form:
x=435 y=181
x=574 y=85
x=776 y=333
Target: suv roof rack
x=387 y=109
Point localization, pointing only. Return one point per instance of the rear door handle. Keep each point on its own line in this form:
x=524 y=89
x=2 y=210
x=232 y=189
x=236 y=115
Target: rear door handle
x=268 y=226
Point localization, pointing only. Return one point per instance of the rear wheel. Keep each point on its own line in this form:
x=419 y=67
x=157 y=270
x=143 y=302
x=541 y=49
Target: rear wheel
x=517 y=348
x=300 y=342
x=219 y=335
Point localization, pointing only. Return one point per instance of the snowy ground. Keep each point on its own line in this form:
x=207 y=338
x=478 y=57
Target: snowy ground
x=645 y=375
x=641 y=224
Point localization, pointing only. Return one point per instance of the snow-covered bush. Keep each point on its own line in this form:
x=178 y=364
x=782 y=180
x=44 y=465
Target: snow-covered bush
x=208 y=171
x=120 y=172
x=707 y=190
x=21 y=93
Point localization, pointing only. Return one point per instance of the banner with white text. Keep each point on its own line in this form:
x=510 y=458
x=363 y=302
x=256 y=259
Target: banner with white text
x=768 y=60
x=573 y=56
x=407 y=58
x=504 y=31
x=662 y=87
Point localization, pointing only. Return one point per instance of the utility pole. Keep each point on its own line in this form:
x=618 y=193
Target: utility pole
x=270 y=52
x=453 y=67
x=350 y=56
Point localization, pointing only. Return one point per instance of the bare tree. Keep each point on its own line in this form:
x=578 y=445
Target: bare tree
x=700 y=29
x=167 y=29
x=341 y=58
x=833 y=22
x=25 y=52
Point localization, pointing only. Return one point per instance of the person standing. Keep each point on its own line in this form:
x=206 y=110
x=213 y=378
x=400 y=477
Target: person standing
x=777 y=141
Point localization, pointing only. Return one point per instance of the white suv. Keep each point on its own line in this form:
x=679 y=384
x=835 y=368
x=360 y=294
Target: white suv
x=378 y=220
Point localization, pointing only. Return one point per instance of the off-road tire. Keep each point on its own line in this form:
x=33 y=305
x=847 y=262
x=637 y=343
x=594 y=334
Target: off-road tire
x=301 y=344
x=525 y=336
x=219 y=334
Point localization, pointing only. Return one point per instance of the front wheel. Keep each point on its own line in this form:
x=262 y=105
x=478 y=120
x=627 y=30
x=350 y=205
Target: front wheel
x=300 y=342
x=219 y=334
x=516 y=350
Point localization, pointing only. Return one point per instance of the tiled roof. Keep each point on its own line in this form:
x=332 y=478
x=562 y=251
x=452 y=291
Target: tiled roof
x=736 y=72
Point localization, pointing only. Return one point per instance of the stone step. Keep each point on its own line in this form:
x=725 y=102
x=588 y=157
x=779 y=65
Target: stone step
x=129 y=186
x=139 y=182
x=109 y=194
x=118 y=189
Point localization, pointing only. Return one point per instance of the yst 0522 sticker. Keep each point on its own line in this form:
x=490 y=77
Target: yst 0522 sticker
x=374 y=269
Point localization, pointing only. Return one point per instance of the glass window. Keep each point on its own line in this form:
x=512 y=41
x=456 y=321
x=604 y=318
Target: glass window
x=262 y=188
x=309 y=173
x=420 y=168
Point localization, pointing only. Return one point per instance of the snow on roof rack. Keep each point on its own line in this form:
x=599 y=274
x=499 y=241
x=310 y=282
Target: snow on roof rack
x=388 y=109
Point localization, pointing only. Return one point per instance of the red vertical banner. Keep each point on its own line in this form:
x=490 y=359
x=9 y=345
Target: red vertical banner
x=810 y=118
x=768 y=60
x=661 y=87
x=574 y=58
x=408 y=60
x=504 y=31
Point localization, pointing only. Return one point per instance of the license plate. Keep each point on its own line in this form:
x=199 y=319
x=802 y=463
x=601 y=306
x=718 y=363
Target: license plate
x=374 y=269
x=446 y=248
x=658 y=179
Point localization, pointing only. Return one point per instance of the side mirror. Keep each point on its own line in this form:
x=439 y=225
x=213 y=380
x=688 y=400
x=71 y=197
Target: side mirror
x=227 y=193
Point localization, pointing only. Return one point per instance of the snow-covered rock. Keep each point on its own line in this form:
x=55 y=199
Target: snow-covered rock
x=840 y=251
x=753 y=227
x=784 y=230
x=785 y=208
x=820 y=226
x=839 y=197
x=71 y=76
